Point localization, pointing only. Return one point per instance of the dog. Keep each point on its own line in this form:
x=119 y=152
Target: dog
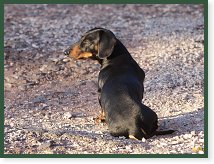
x=120 y=85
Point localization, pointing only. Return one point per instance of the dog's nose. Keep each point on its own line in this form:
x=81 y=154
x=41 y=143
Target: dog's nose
x=66 y=52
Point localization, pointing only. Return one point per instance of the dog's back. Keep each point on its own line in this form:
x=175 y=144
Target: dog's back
x=121 y=83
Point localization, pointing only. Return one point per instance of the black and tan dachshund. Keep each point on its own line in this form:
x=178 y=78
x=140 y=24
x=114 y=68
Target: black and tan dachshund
x=120 y=85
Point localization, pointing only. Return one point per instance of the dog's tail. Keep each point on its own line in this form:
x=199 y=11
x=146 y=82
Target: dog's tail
x=164 y=132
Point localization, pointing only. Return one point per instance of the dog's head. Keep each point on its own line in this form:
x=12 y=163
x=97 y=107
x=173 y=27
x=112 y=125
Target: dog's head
x=96 y=43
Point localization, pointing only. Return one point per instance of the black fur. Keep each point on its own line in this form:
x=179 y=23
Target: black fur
x=120 y=87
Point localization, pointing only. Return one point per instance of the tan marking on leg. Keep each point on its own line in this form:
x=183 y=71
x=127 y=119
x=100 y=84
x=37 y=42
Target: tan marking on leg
x=132 y=137
x=100 y=117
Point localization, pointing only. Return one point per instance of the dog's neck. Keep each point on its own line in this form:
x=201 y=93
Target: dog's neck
x=118 y=51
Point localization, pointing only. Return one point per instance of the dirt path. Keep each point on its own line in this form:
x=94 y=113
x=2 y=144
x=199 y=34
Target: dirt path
x=50 y=101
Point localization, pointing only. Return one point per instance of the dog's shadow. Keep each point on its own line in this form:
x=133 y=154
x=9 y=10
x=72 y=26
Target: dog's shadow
x=184 y=123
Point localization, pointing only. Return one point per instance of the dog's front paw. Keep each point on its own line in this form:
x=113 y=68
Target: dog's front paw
x=100 y=118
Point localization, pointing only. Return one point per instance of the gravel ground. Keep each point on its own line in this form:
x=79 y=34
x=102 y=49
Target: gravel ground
x=51 y=101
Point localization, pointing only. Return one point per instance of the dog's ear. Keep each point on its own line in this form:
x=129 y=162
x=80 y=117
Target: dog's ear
x=106 y=43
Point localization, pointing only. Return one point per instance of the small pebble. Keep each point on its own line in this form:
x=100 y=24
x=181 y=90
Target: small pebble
x=67 y=115
x=143 y=140
x=45 y=145
x=163 y=144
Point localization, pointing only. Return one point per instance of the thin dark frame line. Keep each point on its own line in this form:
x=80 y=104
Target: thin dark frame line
x=112 y=155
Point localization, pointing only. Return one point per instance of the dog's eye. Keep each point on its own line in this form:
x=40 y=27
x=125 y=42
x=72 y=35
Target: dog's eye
x=83 y=44
x=91 y=46
x=86 y=42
